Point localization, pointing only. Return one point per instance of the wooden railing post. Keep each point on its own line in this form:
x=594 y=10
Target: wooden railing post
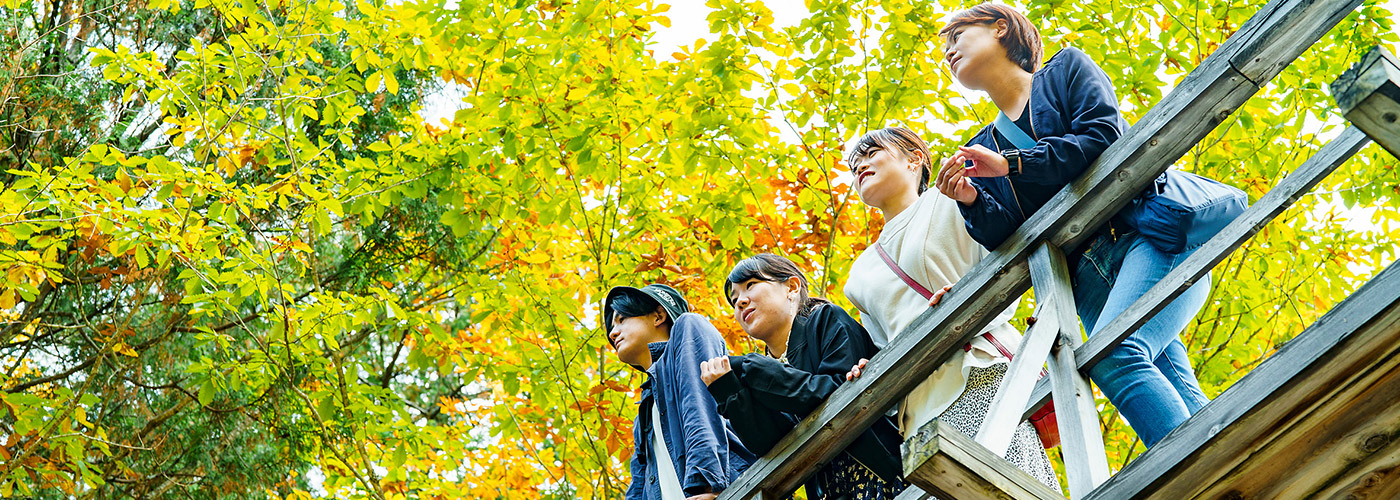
x=1055 y=335
x=1081 y=441
x=1004 y=415
x=1369 y=96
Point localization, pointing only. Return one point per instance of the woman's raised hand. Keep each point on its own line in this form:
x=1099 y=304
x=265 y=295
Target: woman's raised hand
x=952 y=180
x=985 y=162
x=713 y=369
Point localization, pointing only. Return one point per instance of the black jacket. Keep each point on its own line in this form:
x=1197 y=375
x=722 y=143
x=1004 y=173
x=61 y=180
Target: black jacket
x=1074 y=118
x=764 y=398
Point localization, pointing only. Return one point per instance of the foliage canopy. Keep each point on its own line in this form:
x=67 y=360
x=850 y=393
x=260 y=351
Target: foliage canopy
x=238 y=263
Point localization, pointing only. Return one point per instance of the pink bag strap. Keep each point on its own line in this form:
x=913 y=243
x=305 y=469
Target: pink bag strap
x=998 y=345
x=900 y=272
x=929 y=295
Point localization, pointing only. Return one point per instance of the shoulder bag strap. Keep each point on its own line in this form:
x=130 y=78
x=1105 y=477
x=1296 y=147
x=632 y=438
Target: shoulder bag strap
x=900 y=272
x=1012 y=133
x=894 y=266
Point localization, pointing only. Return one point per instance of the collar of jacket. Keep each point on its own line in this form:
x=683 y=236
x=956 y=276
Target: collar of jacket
x=657 y=350
x=797 y=337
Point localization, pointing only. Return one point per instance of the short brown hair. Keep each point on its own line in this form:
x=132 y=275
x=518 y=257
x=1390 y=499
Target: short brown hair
x=893 y=139
x=1022 y=40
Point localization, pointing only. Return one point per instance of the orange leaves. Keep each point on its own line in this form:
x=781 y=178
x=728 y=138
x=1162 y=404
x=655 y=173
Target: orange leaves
x=656 y=261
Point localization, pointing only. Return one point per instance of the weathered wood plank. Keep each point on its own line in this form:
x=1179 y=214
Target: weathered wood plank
x=912 y=493
x=999 y=426
x=1081 y=440
x=948 y=464
x=1329 y=358
x=1377 y=477
x=1195 y=107
x=1328 y=447
x=1369 y=96
x=1270 y=206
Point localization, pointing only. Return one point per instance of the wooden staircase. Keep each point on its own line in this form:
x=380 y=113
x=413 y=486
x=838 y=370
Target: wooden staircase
x=1318 y=419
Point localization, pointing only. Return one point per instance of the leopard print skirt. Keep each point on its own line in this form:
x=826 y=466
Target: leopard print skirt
x=966 y=415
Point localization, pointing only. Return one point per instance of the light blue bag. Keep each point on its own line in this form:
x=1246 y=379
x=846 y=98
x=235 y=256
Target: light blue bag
x=1182 y=210
x=1178 y=211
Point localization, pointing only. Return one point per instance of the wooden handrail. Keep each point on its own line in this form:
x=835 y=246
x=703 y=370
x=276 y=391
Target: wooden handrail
x=1275 y=202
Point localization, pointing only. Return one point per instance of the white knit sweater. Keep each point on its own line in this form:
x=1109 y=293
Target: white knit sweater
x=931 y=245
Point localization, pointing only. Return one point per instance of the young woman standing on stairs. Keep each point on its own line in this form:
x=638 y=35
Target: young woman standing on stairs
x=1054 y=122
x=925 y=237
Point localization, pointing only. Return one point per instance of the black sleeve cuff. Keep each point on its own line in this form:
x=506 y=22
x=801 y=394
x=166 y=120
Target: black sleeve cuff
x=726 y=386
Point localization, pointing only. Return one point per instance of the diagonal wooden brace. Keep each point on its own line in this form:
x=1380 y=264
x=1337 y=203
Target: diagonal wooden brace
x=1004 y=415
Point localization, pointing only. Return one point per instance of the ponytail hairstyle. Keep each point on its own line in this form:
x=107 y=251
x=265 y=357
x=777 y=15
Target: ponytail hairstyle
x=773 y=269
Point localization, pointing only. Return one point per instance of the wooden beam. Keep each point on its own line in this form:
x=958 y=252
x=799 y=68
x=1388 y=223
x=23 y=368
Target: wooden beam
x=1369 y=96
x=1076 y=415
x=1332 y=447
x=948 y=464
x=1327 y=393
x=1004 y=414
x=1222 y=83
x=1271 y=205
x=1081 y=440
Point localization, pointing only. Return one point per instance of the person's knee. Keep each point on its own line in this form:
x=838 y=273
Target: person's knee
x=1131 y=351
x=1124 y=359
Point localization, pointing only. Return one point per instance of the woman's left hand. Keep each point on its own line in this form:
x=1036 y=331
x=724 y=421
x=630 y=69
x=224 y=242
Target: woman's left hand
x=985 y=162
x=713 y=369
x=953 y=183
x=938 y=295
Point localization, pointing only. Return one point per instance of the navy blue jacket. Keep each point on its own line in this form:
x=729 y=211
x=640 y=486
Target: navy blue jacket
x=707 y=454
x=1074 y=118
x=765 y=398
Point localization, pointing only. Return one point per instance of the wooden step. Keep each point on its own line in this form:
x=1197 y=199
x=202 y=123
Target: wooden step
x=949 y=465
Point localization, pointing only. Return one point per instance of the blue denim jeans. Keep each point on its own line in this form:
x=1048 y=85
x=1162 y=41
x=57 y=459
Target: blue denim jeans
x=1148 y=377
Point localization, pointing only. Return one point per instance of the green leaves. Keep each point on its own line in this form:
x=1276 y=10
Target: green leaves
x=262 y=253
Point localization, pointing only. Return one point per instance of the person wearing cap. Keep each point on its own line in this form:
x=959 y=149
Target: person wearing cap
x=683 y=448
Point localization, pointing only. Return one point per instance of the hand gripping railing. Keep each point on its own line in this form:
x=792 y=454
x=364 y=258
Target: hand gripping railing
x=1263 y=46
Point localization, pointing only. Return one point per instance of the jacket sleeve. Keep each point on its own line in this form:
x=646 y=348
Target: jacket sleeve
x=757 y=425
x=1091 y=109
x=785 y=388
x=989 y=220
x=705 y=445
x=636 y=489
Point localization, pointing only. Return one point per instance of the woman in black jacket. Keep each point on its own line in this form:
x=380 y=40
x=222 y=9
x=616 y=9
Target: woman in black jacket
x=1066 y=115
x=811 y=344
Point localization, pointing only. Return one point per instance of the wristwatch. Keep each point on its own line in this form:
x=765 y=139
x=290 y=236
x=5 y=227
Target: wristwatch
x=1013 y=159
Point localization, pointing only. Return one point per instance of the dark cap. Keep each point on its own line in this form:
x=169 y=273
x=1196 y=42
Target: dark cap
x=670 y=300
